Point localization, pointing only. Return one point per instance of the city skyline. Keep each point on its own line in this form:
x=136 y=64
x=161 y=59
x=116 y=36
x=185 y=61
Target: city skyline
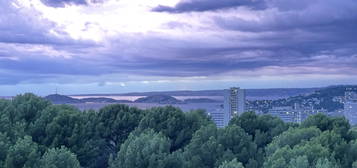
x=120 y=46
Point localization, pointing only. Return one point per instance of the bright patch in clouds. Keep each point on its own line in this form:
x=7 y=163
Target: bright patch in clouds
x=104 y=20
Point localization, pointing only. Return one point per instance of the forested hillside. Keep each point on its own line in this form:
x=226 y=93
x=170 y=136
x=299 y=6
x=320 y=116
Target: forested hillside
x=36 y=134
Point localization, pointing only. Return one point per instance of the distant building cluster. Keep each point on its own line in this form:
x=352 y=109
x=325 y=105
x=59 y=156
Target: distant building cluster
x=295 y=114
x=235 y=104
x=350 y=105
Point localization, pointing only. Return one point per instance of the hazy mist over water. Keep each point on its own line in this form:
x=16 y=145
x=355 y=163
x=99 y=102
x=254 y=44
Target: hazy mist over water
x=133 y=98
x=209 y=107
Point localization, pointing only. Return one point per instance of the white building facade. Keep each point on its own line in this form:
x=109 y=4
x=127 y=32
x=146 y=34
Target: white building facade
x=350 y=107
x=234 y=103
x=296 y=114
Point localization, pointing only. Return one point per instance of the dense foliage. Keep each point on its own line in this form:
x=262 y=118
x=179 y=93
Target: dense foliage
x=35 y=133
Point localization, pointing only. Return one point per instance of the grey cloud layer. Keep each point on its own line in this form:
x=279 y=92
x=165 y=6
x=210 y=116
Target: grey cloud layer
x=26 y=26
x=14 y=28
x=299 y=37
x=208 y=5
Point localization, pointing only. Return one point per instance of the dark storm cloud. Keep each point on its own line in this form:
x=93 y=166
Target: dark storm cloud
x=320 y=15
x=311 y=28
x=208 y=5
x=62 y=3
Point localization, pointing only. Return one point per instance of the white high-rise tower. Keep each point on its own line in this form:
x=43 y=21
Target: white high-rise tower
x=234 y=103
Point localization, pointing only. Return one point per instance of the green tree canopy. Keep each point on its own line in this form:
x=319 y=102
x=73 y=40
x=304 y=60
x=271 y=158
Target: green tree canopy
x=59 y=158
x=27 y=106
x=4 y=147
x=210 y=146
x=24 y=153
x=231 y=164
x=115 y=122
x=174 y=124
x=299 y=162
x=262 y=127
x=325 y=163
x=324 y=123
x=165 y=137
x=292 y=137
x=144 y=150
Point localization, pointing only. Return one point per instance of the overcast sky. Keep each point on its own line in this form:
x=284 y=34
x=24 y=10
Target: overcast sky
x=116 y=46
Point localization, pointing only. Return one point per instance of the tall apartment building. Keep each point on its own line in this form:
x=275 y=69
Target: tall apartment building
x=234 y=103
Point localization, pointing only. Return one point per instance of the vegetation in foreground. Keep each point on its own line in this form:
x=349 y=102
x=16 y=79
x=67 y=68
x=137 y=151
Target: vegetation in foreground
x=36 y=134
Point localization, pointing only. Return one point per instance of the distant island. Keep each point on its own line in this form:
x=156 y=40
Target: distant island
x=160 y=99
x=62 y=99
